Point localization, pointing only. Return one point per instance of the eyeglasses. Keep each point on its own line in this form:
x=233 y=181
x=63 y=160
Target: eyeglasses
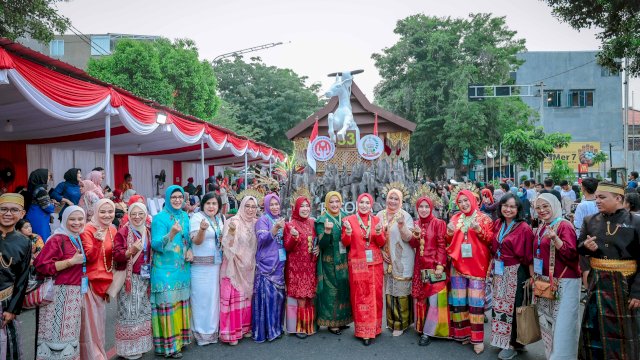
x=13 y=211
x=250 y=207
x=543 y=207
x=137 y=215
x=177 y=197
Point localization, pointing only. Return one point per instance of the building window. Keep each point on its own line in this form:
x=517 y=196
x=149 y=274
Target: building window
x=553 y=98
x=607 y=72
x=56 y=48
x=100 y=45
x=580 y=98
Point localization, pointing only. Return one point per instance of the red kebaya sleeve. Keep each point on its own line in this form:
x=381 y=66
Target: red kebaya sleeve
x=45 y=263
x=289 y=240
x=440 y=229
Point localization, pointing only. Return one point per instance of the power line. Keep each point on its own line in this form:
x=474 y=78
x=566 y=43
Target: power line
x=566 y=71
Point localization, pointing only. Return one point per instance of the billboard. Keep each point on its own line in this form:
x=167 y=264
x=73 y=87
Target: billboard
x=575 y=153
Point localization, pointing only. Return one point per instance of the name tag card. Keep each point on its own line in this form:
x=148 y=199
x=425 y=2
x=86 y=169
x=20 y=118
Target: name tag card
x=466 y=251
x=369 y=255
x=537 y=266
x=498 y=267
x=282 y=254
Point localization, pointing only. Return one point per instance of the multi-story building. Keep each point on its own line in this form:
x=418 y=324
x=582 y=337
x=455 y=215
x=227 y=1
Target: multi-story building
x=580 y=98
x=78 y=49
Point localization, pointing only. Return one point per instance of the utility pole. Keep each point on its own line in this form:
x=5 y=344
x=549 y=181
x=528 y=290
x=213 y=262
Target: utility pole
x=626 y=114
x=610 y=158
x=541 y=123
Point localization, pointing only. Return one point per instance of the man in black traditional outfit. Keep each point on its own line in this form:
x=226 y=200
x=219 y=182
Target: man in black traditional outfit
x=612 y=240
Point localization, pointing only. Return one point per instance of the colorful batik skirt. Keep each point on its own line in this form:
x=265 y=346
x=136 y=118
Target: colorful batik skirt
x=399 y=312
x=466 y=306
x=432 y=315
x=508 y=294
x=133 y=322
x=171 y=326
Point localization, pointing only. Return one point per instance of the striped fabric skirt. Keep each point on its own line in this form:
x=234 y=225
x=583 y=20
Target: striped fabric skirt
x=133 y=324
x=466 y=300
x=171 y=325
x=432 y=315
x=10 y=347
x=59 y=325
x=301 y=319
x=235 y=313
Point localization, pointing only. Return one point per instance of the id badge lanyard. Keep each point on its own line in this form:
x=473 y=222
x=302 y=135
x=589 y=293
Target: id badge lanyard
x=84 y=282
x=367 y=237
x=537 y=261
x=499 y=264
x=138 y=236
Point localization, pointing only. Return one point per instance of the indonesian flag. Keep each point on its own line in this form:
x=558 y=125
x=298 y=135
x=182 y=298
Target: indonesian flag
x=310 y=159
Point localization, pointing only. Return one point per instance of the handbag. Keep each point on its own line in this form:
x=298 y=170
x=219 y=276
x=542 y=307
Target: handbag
x=432 y=277
x=548 y=289
x=528 y=325
x=41 y=295
x=119 y=278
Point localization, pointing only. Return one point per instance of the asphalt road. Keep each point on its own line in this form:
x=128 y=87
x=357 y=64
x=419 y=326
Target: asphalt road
x=323 y=345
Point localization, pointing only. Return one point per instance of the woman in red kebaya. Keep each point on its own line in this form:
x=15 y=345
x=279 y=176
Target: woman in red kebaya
x=469 y=235
x=429 y=298
x=300 y=270
x=362 y=234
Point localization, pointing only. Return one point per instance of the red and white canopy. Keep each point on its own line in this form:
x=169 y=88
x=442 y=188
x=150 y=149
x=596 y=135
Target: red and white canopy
x=50 y=102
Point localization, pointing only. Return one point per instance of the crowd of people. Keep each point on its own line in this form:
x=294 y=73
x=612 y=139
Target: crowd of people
x=197 y=271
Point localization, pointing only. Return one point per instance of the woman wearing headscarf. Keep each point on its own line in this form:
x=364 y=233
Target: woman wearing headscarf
x=268 y=290
x=238 y=272
x=429 y=298
x=97 y=241
x=469 y=235
x=132 y=254
x=333 y=304
x=556 y=238
x=96 y=178
x=63 y=259
x=512 y=244
x=38 y=203
x=398 y=257
x=300 y=271
x=67 y=192
x=121 y=207
x=489 y=205
x=89 y=196
x=132 y=200
x=362 y=234
x=206 y=235
x=171 y=276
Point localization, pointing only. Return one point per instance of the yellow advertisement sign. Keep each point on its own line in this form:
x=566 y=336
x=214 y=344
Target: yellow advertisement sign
x=575 y=153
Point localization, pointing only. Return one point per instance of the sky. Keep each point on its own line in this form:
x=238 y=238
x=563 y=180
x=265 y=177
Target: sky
x=320 y=37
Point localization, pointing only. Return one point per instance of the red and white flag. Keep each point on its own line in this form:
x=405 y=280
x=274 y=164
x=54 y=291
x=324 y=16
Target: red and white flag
x=314 y=134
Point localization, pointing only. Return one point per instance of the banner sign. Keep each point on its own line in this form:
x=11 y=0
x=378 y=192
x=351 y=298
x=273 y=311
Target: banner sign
x=576 y=154
x=322 y=148
x=370 y=147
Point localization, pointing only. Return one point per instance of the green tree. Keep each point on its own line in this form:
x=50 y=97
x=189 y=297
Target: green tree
x=164 y=71
x=560 y=170
x=37 y=19
x=425 y=77
x=619 y=22
x=269 y=99
x=228 y=117
x=529 y=148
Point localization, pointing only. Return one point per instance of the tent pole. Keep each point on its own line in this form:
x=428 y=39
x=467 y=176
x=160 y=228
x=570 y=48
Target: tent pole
x=270 y=166
x=204 y=175
x=107 y=147
x=246 y=171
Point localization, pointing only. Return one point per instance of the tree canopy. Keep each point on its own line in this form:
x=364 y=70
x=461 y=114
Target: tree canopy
x=425 y=77
x=164 y=71
x=270 y=100
x=620 y=24
x=37 y=19
x=529 y=148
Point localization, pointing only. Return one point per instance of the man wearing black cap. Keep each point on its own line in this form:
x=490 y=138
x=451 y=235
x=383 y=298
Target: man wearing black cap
x=612 y=240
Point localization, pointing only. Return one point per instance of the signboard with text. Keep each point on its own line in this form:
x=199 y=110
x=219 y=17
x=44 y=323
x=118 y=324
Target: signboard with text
x=577 y=154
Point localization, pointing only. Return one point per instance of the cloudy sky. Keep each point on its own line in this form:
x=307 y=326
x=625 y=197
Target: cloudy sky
x=319 y=37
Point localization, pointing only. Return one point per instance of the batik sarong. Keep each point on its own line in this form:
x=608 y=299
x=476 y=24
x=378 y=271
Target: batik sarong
x=133 y=322
x=614 y=336
x=170 y=324
x=559 y=320
x=432 y=315
x=466 y=300
x=59 y=325
x=399 y=312
x=10 y=347
x=507 y=296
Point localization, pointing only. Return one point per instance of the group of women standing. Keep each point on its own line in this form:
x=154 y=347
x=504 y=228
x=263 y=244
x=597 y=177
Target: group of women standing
x=249 y=276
